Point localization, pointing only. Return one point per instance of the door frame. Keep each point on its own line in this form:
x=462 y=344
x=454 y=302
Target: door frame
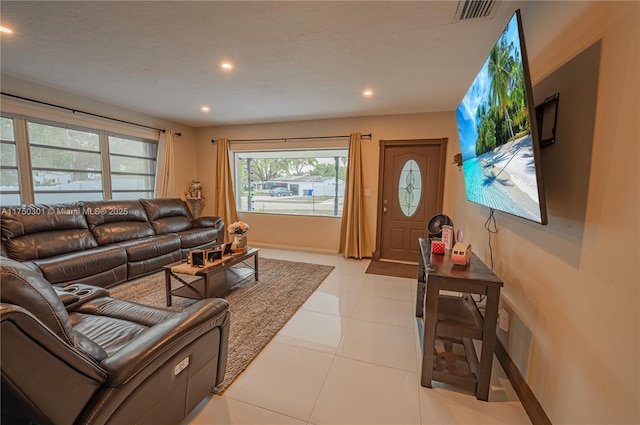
x=441 y=174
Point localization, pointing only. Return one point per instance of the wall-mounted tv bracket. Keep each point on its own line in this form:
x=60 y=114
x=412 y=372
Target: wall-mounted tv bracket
x=547 y=117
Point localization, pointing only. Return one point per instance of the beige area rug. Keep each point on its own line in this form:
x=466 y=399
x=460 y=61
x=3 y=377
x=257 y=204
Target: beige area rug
x=388 y=268
x=258 y=309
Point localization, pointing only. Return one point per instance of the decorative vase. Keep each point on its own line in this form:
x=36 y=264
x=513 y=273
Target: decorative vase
x=195 y=190
x=239 y=243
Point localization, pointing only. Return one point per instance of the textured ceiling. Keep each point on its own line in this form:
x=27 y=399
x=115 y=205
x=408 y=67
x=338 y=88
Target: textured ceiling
x=293 y=60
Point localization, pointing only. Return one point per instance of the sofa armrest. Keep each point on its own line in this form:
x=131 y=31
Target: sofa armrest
x=207 y=222
x=165 y=339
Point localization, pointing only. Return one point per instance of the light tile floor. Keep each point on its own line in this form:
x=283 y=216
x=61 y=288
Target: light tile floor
x=351 y=355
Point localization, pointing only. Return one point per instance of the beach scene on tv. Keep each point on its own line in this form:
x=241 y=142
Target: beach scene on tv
x=495 y=133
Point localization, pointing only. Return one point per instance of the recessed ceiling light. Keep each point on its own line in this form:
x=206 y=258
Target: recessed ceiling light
x=226 y=66
x=367 y=93
x=6 y=30
x=205 y=109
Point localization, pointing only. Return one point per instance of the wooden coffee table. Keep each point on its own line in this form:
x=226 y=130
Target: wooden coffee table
x=213 y=279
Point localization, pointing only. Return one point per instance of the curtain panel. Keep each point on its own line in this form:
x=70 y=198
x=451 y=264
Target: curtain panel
x=164 y=165
x=225 y=198
x=354 y=234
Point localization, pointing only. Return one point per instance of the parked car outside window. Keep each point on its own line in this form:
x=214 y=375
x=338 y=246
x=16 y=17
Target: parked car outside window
x=280 y=191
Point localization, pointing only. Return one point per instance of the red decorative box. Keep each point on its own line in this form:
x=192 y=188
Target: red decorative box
x=437 y=247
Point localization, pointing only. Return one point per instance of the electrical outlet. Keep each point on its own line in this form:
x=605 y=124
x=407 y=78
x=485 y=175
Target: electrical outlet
x=503 y=319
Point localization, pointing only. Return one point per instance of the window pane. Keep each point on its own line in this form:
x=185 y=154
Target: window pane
x=129 y=159
x=122 y=164
x=43 y=134
x=137 y=148
x=131 y=182
x=308 y=182
x=8 y=154
x=45 y=180
x=409 y=188
x=64 y=159
x=69 y=162
x=9 y=199
x=50 y=198
x=9 y=180
x=124 y=196
x=6 y=129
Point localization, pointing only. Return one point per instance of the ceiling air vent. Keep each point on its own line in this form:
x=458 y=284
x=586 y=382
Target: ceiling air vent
x=475 y=9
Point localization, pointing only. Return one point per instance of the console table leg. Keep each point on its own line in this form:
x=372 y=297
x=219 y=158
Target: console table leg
x=488 y=342
x=430 y=317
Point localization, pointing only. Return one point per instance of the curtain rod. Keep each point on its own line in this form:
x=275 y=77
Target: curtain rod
x=285 y=139
x=84 y=112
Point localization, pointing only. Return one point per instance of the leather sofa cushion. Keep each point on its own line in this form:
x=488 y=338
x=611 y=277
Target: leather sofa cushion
x=77 y=265
x=139 y=268
x=198 y=236
x=143 y=249
x=112 y=323
x=144 y=315
x=44 y=230
x=110 y=333
x=20 y=220
x=105 y=279
x=116 y=221
x=24 y=285
x=167 y=215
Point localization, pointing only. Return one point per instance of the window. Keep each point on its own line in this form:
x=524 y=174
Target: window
x=409 y=188
x=9 y=180
x=305 y=182
x=52 y=162
x=65 y=163
x=133 y=167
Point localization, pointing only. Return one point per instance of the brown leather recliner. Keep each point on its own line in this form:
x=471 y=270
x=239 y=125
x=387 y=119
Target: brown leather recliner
x=77 y=356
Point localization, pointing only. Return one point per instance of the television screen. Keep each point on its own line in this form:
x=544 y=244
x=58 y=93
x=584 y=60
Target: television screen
x=498 y=132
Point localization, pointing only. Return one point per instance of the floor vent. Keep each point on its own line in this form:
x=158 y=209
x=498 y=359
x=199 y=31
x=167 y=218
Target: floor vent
x=475 y=9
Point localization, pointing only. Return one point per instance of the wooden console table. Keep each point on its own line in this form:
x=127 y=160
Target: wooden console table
x=451 y=322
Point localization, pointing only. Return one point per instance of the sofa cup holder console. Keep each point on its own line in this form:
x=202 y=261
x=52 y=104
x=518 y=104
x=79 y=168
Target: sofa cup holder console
x=73 y=295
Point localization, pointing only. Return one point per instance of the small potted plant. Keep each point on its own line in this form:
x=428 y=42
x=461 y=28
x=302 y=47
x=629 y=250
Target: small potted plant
x=239 y=230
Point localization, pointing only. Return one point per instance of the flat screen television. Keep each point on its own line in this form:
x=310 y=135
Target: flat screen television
x=498 y=132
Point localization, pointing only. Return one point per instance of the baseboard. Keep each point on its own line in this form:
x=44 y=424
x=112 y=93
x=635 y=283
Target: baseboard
x=293 y=248
x=528 y=399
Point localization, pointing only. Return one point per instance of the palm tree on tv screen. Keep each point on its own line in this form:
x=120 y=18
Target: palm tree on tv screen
x=501 y=67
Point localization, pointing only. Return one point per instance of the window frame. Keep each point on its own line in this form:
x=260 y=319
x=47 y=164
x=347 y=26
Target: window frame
x=120 y=155
x=13 y=143
x=33 y=168
x=27 y=188
x=240 y=154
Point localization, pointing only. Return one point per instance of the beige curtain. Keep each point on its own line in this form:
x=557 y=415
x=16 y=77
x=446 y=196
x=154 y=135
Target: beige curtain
x=225 y=199
x=164 y=166
x=354 y=234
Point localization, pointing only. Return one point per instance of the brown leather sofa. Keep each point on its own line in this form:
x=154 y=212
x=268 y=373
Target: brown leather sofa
x=104 y=243
x=74 y=355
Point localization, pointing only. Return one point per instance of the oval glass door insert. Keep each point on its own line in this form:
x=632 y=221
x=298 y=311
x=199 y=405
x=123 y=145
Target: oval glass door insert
x=409 y=187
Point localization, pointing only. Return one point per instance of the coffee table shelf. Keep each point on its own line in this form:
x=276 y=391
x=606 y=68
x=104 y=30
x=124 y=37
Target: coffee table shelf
x=213 y=279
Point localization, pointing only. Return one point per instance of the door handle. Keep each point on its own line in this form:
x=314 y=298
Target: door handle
x=384 y=209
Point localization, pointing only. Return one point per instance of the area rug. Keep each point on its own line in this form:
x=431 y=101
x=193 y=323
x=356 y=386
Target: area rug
x=258 y=309
x=388 y=268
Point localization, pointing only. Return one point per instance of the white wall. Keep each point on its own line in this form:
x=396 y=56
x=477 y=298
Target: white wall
x=572 y=287
x=323 y=233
